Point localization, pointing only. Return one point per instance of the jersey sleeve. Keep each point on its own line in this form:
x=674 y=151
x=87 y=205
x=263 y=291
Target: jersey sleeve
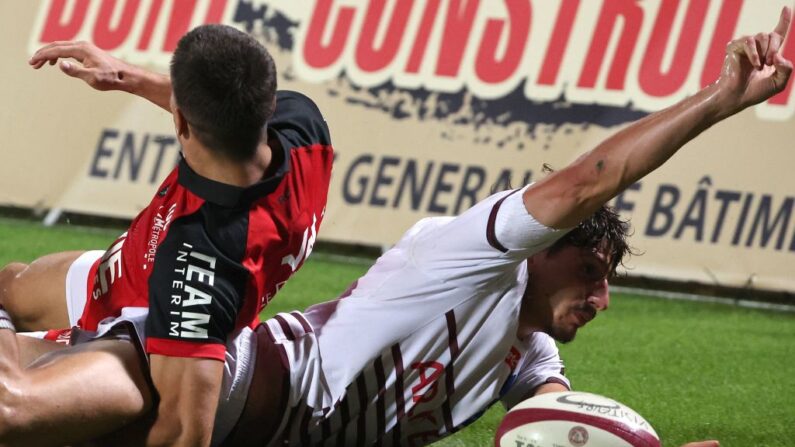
x=195 y=293
x=485 y=242
x=541 y=364
x=298 y=119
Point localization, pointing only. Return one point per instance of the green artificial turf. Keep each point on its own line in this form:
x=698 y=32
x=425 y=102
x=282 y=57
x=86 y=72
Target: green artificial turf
x=694 y=370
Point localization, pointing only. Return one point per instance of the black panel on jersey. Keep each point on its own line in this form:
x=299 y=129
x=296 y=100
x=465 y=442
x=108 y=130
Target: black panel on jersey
x=223 y=193
x=298 y=120
x=197 y=286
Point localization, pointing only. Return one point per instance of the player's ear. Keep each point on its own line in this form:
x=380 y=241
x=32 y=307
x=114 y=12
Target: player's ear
x=181 y=126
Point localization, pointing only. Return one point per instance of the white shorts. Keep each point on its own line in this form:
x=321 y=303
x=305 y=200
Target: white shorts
x=77 y=284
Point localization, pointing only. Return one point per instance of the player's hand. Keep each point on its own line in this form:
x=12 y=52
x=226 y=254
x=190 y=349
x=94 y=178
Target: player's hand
x=702 y=444
x=97 y=68
x=754 y=69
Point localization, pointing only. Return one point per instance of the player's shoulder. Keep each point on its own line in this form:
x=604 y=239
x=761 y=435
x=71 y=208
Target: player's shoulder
x=299 y=119
x=296 y=100
x=539 y=344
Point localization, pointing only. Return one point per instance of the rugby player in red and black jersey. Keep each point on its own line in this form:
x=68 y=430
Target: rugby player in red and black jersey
x=497 y=262
x=224 y=231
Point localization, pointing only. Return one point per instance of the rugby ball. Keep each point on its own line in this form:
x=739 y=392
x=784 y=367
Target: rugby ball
x=574 y=419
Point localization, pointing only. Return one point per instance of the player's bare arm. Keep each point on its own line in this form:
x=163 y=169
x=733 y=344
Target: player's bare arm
x=102 y=71
x=188 y=389
x=753 y=71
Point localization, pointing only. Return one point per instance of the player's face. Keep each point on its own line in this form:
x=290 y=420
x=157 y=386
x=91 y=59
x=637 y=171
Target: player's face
x=567 y=288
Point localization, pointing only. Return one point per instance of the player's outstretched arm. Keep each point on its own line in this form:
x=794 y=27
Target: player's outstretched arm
x=188 y=390
x=702 y=444
x=753 y=71
x=102 y=71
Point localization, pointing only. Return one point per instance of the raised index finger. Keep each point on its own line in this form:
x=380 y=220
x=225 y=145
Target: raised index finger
x=783 y=21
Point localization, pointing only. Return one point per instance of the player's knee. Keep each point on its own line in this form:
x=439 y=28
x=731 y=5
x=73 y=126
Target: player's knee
x=9 y=274
x=9 y=278
x=12 y=294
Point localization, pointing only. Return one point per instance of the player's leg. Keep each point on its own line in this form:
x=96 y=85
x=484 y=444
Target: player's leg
x=74 y=394
x=35 y=294
x=32 y=348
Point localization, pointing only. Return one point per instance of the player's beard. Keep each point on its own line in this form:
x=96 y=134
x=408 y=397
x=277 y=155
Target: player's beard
x=563 y=330
x=560 y=333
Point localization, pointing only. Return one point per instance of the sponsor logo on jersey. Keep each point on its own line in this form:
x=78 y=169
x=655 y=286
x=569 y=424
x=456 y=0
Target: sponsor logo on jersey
x=188 y=317
x=109 y=268
x=307 y=243
x=160 y=223
x=425 y=390
x=512 y=359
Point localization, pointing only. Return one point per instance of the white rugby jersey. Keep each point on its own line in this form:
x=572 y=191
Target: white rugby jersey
x=425 y=341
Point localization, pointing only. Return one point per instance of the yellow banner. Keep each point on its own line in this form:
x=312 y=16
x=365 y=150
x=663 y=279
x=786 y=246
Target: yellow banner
x=432 y=104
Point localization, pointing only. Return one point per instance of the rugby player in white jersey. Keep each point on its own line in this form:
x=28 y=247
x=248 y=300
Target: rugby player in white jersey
x=462 y=312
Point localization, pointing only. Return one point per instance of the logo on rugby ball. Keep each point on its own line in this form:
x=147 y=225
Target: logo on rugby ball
x=578 y=436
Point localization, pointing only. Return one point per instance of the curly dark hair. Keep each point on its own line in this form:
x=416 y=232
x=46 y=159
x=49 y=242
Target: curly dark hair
x=224 y=83
x=605 y=227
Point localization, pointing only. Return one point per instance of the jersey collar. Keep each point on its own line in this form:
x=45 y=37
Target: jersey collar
x=230 y=195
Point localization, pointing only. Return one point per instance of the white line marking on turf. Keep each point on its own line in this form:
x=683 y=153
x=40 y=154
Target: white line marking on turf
x=706 y=299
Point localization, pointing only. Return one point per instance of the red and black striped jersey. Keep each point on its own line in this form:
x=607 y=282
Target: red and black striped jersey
x=204 y=258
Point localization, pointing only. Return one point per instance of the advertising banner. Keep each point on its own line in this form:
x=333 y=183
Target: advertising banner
x=432 y=105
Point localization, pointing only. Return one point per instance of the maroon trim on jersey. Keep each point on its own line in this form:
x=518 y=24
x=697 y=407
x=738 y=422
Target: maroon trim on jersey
x=380 y=406
x=491 y=233
x=558 y=381
x=400 y=399
x=361 y=387
x=517 y=418
x=349 y=290
x=179 y=348
x=304 y=324
x=288 y=331
x=449 y=372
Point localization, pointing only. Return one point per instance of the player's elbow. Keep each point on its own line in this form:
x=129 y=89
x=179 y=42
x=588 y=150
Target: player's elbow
x=578 y=191
x=173 y=430
x=14 y=412
x=167 y=431
x=562 y=199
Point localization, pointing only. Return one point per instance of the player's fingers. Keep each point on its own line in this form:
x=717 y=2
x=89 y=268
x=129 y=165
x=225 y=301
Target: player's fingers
x=751 y=52
x=42 y=52
x=75 y=50
x=783 y=73
x=783 y=22
x=762 y=45
x=774 y=44
x=38 y=64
